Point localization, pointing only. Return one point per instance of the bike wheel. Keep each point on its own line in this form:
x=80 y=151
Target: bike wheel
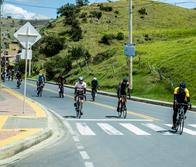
x=80 y=110
x=93 y=95
x=124 y=112
x=182 y=124
x=120 y=111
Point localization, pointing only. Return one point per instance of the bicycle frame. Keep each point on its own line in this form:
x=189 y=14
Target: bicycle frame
x=180 y=117
x=122 y=106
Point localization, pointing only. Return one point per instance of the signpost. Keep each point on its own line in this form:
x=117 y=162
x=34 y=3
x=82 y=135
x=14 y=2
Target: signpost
x=27 y=35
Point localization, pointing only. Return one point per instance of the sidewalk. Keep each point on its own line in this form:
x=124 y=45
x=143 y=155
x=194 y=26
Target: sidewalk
x=18 y=130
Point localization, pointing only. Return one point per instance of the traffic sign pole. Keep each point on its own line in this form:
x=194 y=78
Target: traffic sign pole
x=27 y=36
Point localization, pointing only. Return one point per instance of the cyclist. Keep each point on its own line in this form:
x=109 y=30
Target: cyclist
x=94 y=85
x=80 y=88
x=18 y=78
x=123 y=85
x=181 y=95
x=61 y=81
x=40 y=81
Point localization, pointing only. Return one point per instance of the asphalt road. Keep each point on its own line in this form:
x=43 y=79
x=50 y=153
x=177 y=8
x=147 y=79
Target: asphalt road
x=101 y=139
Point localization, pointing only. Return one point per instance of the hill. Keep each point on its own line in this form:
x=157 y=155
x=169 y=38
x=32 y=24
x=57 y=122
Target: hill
x=165 y=38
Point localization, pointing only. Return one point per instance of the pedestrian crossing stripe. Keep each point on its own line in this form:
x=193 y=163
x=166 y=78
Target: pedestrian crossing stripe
x=85 y=129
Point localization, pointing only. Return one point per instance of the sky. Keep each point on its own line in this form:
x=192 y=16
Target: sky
x=33 y=9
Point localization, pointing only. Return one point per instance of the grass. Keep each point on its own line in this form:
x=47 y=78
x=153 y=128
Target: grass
x=172 y=48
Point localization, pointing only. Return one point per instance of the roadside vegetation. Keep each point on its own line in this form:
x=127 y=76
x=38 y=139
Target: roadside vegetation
x=89 y=41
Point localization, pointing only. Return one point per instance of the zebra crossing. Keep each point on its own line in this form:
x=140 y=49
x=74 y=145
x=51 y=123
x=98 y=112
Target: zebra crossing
x=121 y=128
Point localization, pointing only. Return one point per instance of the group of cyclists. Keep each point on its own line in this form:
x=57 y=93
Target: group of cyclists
x=181 y=93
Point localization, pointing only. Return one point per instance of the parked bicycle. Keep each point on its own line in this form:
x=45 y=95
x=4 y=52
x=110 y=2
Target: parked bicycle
x=122 y=107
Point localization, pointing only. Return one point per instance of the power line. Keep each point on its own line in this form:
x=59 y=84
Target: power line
x=34 y=6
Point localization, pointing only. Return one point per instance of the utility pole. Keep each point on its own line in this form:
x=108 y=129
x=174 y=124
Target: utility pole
x=130 y=59
x=1 y=2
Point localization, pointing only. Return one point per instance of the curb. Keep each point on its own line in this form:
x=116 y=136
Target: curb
x=133 y=98
x=15 y=148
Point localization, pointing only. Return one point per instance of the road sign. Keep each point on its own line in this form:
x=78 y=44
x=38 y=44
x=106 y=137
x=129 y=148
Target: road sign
x=23 y=53
x=129 y=50
x=27 y=35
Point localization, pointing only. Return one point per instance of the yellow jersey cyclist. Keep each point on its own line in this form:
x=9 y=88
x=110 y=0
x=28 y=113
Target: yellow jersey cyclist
x=181 y=95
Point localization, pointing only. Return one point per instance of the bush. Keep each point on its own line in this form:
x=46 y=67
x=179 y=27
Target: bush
x=51 y=45
x=100 y=57
x=120 y=36
x=107 y=39
x=76 y=33
x=142 y=11
x=83 y=15
x=105 y=8
x=116 y=12
x=57 y=65
x=96 y=14
x=76 y=53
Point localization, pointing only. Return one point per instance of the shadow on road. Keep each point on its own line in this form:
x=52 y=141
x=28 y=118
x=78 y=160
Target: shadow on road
x=111 y=116
x=69 y=116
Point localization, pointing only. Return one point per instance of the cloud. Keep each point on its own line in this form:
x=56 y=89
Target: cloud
x=20 y=13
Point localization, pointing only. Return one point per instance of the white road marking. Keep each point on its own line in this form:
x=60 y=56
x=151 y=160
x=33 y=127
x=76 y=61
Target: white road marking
x=134 y=129
x=110 y=120
x=157 y=128
x=84 y=129
x=89 y=164
x=76 y=138
x=84 y=155
x=193 y=125
x=109 y=129
x=79 y=146
x=69 y=127
x=185 y=130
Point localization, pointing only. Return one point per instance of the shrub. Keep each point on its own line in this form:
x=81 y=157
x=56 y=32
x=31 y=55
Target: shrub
x=120 y=36
x=142 y=11
x=116 y=12
x=83 y=15
x=105 y=8
x=107 y=39
x=100 y=57
x=57 y=65
x=51 y=45
x=96 y=14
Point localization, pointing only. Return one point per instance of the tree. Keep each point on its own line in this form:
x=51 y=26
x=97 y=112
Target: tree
x=82 y=2
x=51 y=45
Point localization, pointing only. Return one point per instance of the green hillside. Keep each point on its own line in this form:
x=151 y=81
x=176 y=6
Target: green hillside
x=165 y=38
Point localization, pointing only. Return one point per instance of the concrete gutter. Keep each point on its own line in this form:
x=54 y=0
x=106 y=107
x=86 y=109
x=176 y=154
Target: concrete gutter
x=134 y=98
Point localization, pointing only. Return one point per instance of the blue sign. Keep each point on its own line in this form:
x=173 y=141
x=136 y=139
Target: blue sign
x=129 y=50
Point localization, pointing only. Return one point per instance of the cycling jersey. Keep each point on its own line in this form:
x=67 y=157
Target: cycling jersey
x=122 y=88
x=181 y=95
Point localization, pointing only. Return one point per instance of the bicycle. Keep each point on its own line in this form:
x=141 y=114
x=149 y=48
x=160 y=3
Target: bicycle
x=40 y=89
x=61 y=91
x=122 y=107
x=18 y=83
x=79 y=105
x=93 y=94
x=180 y=118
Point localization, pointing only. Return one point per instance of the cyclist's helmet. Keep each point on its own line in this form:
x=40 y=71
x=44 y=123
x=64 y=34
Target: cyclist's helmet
x=183 y=85
x=94 y=78
x=80 y=78
x=125 y=79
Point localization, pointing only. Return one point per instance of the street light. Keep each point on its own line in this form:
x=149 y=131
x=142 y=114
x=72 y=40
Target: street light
x=1 y=2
